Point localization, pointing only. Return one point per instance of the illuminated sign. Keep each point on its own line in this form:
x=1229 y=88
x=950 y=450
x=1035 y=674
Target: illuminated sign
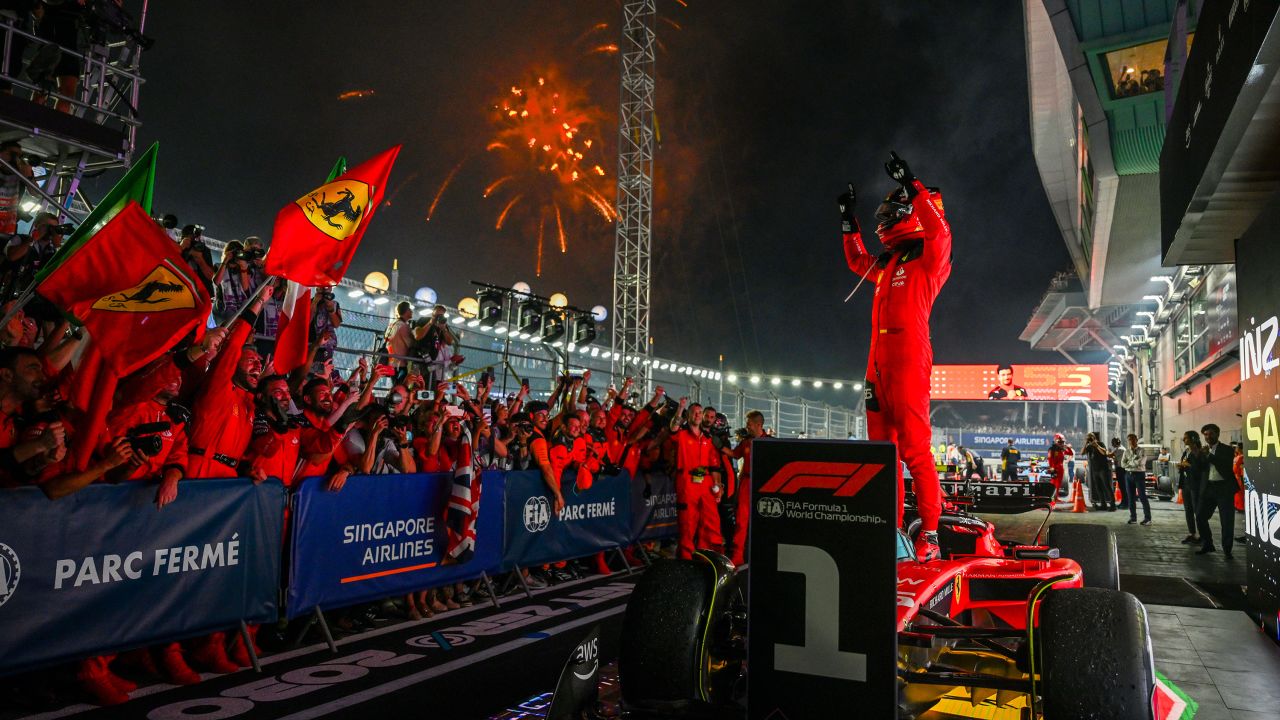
x=1019 y=382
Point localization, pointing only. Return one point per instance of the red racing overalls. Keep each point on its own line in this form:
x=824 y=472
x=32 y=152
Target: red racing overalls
x=901 y=357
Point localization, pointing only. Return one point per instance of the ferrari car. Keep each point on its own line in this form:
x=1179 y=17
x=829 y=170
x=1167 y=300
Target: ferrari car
x=994 y=629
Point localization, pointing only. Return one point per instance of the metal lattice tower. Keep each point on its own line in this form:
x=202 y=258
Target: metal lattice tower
x=630 y=342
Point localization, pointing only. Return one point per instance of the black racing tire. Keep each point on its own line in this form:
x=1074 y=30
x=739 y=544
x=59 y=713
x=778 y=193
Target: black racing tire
x=661 y=633
x=1093 y=547
x=1095 y=655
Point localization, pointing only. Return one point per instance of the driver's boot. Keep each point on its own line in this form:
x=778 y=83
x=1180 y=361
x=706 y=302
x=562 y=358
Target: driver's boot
x=927 y=547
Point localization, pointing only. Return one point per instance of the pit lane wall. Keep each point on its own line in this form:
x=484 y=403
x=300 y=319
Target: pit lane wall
x=1259 y=299
x=103 y=571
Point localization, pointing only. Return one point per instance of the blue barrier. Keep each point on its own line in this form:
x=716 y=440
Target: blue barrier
x=592 y=520
x=102 y=570
x=381 y=536
x=653 y=517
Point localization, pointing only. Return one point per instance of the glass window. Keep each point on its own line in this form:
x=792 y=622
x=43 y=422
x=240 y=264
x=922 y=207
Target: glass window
x=1137 y=69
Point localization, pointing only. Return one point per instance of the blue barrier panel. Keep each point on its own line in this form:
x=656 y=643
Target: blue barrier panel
x=103 y=570
x=654 y=516
x=591 y=521
x=382 y=535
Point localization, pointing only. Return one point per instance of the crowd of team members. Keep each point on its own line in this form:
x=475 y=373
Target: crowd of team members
x=217 y=409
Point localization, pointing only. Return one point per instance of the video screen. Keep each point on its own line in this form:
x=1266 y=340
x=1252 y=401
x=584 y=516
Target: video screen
x=1019 y=382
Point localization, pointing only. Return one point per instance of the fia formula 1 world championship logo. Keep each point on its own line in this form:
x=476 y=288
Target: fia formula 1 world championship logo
x=10 y=573
x=537 y=514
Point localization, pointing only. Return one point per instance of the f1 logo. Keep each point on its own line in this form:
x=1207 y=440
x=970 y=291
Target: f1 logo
x=843 y=479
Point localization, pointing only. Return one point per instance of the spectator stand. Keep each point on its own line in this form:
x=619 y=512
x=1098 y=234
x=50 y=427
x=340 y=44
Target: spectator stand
x=93 y=123
x=513 y=360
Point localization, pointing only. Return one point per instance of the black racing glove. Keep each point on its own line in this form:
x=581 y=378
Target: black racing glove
x=900 y=172
x=848 y=222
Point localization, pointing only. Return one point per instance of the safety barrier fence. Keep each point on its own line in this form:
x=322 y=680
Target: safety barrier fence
x=103 y=571
x=361 y=333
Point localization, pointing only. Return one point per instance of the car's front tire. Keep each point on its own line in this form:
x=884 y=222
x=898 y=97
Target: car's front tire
x=1094 y=650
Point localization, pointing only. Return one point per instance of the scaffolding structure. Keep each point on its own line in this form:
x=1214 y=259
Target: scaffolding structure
x=93 y=128
x=631 y=352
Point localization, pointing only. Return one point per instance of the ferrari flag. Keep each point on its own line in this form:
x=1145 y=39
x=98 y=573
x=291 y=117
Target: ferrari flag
x=130 y=288
x=316 y=236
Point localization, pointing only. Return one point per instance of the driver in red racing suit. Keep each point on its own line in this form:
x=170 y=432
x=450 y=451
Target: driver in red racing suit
x=914 y=266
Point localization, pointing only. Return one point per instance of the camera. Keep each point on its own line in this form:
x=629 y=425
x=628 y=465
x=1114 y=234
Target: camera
x=326 y=295
x=63 y=229
x=251 y=254
x=145 y=438
x=400 y=422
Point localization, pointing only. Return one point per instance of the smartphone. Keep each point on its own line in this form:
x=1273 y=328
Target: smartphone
x=387 y=369
x=525 y=383
x=426 y=395
x=488 y=415
x=453 y=411
x=485 y=377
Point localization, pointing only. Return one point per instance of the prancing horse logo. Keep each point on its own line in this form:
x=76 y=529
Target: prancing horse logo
x=338 y=208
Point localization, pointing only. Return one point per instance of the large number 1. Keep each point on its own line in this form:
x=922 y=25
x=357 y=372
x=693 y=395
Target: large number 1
x=820 y=654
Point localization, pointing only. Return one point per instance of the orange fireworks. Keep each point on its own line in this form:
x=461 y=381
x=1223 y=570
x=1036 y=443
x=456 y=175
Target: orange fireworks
x=356 y=94
x=551 y=167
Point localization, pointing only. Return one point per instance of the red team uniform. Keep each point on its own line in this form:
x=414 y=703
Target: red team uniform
x=908 y=276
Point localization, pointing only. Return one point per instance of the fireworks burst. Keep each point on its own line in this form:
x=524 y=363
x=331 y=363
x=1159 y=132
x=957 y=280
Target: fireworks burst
x=551 y=167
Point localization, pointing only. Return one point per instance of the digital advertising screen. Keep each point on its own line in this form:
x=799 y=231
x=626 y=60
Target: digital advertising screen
x=1019 y=382
x=1259 y=318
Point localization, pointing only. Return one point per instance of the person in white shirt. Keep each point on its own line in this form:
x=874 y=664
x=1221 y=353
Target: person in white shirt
x=1136 y=479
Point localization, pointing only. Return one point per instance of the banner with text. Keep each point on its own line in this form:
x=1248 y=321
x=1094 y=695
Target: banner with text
x=103 y=570
x=592 y=520
x=383 y=535
x=1019 y=382
x=1259 y=317
x=653 y=507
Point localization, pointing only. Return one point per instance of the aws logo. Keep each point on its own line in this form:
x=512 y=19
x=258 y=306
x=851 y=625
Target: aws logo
x=164 y=288
x=338 y=208
x=842 y=479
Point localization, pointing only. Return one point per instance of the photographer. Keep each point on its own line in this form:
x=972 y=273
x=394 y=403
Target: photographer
x=326 y=318
x=156 y=428
x=375 y=445
x=235 y=280
x=197 y=254
x=1099 y=462
x=26 y=254
x=436 y=344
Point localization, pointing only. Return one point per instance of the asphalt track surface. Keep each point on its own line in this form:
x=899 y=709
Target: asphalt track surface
x=467 y=663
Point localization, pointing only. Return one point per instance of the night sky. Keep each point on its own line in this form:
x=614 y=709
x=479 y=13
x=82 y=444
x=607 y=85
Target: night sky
x=766 y=111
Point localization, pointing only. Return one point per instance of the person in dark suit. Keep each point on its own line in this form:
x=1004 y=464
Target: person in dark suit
x=1191 y=471
x=1217 y=493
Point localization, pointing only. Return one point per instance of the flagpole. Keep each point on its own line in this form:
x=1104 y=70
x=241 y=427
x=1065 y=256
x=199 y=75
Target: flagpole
x=252 y=299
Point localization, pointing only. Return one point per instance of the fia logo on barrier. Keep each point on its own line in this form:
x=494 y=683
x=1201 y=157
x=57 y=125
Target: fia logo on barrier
x=769 y=507
x=10 y=573
x=537 y=514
